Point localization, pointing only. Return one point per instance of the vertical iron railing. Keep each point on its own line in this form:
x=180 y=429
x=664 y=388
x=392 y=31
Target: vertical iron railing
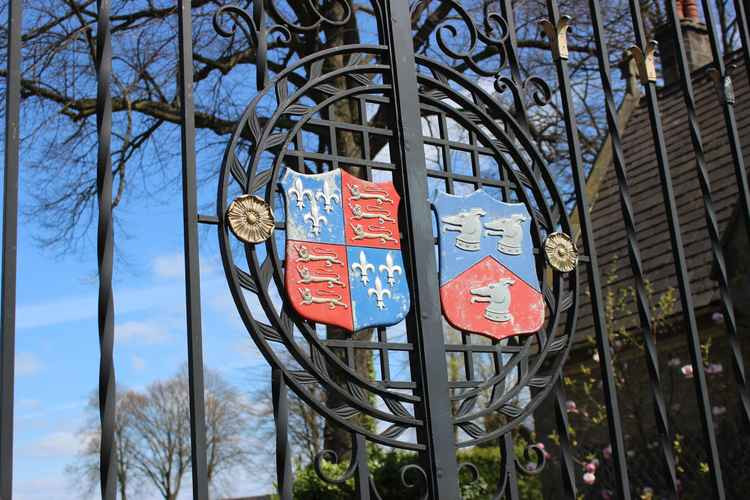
x=105 y=249
x=521 y=115
x=199 y=467
x=614 y=419
x=429 y=360
x=678 y=250
x=634 y=253
x=284 y=477
x=741 y=13
x=10 y=244
x=705 y=185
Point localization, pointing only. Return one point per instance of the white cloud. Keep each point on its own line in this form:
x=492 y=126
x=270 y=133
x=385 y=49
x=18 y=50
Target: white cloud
x=169 y=266
x=64 y=310
x=55 y=444
x=27 y=364
x=55 y=487
x=145 y=332
x=173 y=266
x=139 y=364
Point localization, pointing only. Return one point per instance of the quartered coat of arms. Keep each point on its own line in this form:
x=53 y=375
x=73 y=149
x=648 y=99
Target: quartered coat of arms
x=488 y=278
x=343 y=254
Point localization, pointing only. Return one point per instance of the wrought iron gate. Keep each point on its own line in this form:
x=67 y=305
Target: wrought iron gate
x=379 y=111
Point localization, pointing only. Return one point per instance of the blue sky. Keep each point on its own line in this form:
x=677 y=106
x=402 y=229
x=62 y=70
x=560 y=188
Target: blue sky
x=57 y=339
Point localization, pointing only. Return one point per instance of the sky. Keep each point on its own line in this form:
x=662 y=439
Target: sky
x=57 y=352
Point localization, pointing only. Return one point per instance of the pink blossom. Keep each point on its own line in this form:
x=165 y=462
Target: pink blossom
x=687 y=371
x=589 y=478
x=714 y=368
x=718 y=410
x=571 y=407
x=674 y=362
x=545 y=453
x=607 y=452
x=590 y=467
x=717 y=317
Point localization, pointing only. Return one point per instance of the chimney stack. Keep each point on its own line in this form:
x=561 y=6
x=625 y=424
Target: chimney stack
x=694 y=36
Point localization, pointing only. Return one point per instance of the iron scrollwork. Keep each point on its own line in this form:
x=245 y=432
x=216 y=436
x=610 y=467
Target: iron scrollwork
x=257 y=30
x=534 y=85
x=420 y=480
x=494 y=33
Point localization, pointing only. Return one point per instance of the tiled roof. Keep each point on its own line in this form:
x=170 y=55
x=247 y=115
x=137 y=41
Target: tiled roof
x=648 y=203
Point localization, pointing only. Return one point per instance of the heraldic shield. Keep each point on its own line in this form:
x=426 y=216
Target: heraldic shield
x=344 y=265
x=488 y=279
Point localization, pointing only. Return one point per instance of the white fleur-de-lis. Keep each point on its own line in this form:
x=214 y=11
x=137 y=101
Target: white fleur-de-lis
x=364 y=267
x=329 y=193
x=316 y=218
x=298 y=190
x=379 y=292
x=390 y=268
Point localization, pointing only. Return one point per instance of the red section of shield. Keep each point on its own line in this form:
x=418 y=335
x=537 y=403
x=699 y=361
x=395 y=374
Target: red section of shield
x=327 y=301
x=371 y=208
x=526 y=307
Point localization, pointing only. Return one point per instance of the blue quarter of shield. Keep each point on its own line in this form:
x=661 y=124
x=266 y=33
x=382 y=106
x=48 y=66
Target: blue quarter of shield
x=380 y=295
x=314 y=210
x=470 y=229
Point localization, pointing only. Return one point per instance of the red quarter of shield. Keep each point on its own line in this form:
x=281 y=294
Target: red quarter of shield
x=471 y=312
x=317 y=274
x=370 y=213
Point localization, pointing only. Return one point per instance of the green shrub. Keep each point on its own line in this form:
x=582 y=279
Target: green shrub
x=386 y=471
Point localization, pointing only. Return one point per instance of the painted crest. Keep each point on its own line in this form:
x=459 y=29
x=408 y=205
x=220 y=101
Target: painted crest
x=488 y=278
x=343 y=254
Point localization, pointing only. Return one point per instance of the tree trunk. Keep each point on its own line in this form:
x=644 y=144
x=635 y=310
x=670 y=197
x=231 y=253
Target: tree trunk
x=347 y=145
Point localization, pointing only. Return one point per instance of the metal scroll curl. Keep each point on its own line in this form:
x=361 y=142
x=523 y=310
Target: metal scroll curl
x=492 y=34
x=534 y=85
x=332 y=457
x=253 y=26
x=319 y=18
x=252 y=22
x=418 y=480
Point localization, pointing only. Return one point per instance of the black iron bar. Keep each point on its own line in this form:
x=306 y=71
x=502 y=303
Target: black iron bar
x=678 y=250
x=105 y=249
x=614 y=419
x=634 y=253
x=199 y=467
x=362 y=476
x=742 y=185
x=281 y=421
x=566 y=456
x=521 y=115
x=425 y=320
x=10 y=247
x=741 y=16
x=508 y=452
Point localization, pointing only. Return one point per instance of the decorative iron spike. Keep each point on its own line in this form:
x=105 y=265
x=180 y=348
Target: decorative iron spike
x=645 y=62
x=558 y=36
